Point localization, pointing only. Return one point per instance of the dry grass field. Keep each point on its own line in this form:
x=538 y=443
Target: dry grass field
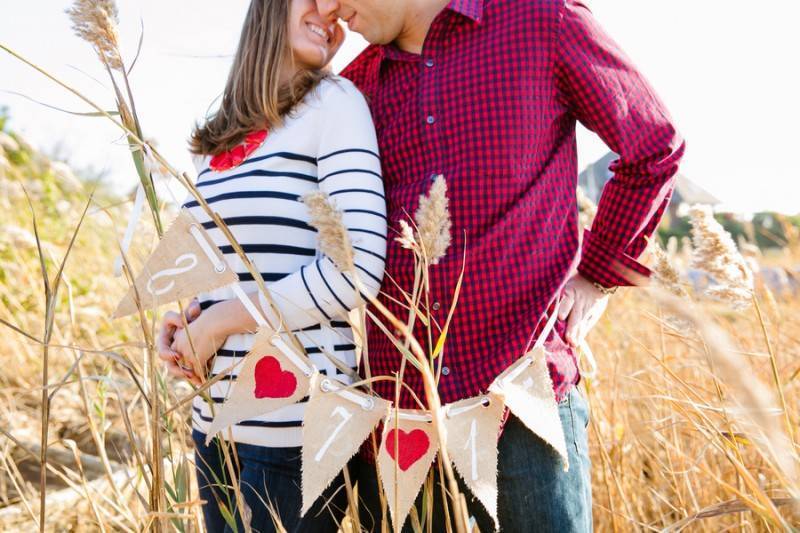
x=688 y=427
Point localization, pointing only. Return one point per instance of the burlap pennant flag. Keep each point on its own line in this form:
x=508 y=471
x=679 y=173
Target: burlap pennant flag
x=337 y=421
x=408 y=447
x=527 y=390
x=184 y=263
x=272 y=376
x=472 y=428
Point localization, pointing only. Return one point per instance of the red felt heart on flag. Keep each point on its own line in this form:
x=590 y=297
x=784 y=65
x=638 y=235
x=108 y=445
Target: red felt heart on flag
x=272 y=381
x=412 y=445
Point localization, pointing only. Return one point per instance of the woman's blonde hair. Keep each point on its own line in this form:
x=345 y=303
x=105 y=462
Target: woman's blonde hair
x=254 y=97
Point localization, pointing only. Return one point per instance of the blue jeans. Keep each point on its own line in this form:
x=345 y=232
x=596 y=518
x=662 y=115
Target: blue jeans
x=535 y=494
x=268 y=477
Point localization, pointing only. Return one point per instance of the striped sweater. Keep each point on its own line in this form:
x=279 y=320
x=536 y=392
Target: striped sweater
x=328 y=143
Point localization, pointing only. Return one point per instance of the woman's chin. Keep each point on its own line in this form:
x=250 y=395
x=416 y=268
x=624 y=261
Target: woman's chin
x=315 y=60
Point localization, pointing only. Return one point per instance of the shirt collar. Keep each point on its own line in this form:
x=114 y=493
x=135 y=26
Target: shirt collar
x=472 y=9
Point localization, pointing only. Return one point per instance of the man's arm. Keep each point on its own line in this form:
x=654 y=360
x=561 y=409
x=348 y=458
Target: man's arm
x=604 y=90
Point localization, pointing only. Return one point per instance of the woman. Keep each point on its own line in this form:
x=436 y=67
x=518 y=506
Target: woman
x=285 y=127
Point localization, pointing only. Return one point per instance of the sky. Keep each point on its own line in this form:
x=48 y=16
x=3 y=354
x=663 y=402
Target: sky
x=726 y=71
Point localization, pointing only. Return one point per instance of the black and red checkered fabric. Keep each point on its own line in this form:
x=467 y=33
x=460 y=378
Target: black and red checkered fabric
x=491 y=103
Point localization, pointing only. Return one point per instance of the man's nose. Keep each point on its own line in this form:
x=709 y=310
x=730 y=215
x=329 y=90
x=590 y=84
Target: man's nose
x=328 y=8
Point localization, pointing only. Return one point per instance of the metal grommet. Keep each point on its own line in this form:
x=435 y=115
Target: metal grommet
x=370 y=404
x=326 y=385
x=219 y=269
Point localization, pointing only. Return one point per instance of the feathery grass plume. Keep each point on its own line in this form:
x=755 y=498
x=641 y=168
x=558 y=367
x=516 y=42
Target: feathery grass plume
x=665 y=273
x=406 y=238
x=95 y=21
x=334 y=240
x=716 y=253
x=433 y=221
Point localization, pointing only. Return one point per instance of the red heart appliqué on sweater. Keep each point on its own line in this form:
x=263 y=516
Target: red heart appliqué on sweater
x=236 y=156
x=272 y=381
x=413 y=446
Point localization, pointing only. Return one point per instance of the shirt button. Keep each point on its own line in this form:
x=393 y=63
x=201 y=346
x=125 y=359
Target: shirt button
x=430 y=119
x=429 y=63
x=436 y=306
x=445 y=371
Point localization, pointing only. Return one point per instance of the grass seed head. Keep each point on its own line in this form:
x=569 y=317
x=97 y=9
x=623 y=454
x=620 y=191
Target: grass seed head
x=95 y=21
x=665 y=273
x=715 y=253
x=433 y=221
x=406 y=238
x=334 y=240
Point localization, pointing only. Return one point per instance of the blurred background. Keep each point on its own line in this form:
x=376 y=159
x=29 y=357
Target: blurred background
x=723 y=68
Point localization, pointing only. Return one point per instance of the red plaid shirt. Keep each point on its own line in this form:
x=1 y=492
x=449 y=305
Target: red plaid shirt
x=492 y=103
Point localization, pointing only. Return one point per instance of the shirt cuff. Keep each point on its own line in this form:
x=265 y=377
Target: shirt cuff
x=610 y=267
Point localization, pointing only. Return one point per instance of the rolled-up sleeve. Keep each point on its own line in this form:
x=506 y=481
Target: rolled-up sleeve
x=602 y=88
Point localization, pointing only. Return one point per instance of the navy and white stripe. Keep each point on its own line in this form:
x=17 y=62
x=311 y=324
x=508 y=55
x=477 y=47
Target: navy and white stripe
x=327 y=144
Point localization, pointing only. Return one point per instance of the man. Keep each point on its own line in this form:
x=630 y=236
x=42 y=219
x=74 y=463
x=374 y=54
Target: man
x=487 y=93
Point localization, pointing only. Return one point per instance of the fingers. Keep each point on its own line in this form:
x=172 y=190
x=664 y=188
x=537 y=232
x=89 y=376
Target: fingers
x=165 y=352
x=193 y=310
x=171 y=318
x=187 y=361
x=574 y=325
x=566 y=305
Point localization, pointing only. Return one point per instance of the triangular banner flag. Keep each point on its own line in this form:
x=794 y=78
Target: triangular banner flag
x=272 y=376
x=338 y=421
x=408 y=447
x=527 y=390
x=183 y=264
x=473 y=426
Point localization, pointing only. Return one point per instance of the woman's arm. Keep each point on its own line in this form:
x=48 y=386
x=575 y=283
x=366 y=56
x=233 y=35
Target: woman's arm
x=349 y=172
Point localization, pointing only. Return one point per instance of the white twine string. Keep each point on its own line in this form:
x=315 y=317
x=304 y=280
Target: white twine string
x=290 y=354
x=402 y=415
x=548 y=327
x=220 y=266
x=481 y=401
x=249 y=305
x=133 y=221
x=366 y=403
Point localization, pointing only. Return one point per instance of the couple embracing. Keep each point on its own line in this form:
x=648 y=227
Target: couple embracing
x=486 y=93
